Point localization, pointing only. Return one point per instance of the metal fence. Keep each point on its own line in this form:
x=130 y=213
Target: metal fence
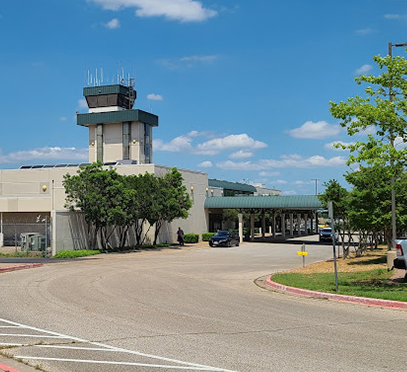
x=27 y=236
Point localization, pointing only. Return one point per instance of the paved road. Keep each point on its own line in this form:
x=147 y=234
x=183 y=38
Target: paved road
x=189 y=310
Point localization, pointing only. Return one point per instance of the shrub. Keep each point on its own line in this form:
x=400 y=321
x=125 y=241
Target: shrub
x=207 y=236
x=76 y=254
x=191 y=238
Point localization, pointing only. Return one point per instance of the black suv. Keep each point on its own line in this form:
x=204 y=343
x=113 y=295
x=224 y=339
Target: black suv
x=224 y=238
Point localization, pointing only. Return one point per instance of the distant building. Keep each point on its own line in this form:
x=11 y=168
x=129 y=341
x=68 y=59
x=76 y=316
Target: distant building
x=262 y=190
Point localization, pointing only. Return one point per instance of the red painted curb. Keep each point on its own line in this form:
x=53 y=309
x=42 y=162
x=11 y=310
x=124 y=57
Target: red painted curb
x=19 y=267
x=8 y=369
x=336 y=297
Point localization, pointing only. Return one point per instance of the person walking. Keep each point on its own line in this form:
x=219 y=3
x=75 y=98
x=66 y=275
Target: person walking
x=180 y=236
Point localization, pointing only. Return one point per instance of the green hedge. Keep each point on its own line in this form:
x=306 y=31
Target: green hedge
x=76 y=254
x=207 y=236
x=191 y=238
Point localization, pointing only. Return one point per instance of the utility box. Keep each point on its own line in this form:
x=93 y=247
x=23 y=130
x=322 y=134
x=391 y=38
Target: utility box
x=32 y=242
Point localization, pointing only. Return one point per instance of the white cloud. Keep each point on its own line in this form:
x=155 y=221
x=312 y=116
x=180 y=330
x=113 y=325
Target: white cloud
x=155 y=97
x=392 y=16
x=112 y=24
x=241 y=154
x=279 y=182
x=214 y=146
x=178 y=144
x=286 y=161
x=180 y=10
x=289 y=192
x=205 y=164
x=209 y=58
x=269 y=174
x=243 y=166
x=189 y=61
x=330 y=145
x=44 y=154
x=233 y=141
x=63 y=118
x=364 y=69
x=364 y=31
x=318 y=130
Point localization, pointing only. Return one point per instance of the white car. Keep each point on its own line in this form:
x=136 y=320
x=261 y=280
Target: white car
x=401 y=247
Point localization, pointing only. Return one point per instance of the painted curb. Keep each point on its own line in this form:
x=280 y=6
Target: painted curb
x=4 y=367
x=20 y=267
x=336 y=297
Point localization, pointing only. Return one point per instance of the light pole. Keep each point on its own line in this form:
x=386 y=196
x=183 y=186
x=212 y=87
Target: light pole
x=393 y=194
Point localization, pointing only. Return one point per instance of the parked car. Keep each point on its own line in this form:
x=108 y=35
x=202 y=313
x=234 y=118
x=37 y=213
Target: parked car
x=325 y=235
x=400 y=261
x=224 y=238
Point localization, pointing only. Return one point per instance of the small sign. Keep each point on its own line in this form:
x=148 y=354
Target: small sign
x=302 y=253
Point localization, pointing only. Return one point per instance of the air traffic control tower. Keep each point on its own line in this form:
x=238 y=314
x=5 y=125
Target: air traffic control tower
x=117 y=133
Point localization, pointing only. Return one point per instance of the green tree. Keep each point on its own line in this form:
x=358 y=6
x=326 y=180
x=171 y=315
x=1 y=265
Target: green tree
x=383 y=110
x=98 y=193
x=171 y=201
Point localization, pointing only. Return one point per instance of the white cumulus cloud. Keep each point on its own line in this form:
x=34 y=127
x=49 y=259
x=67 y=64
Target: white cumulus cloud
x=112 y=24
x=233 y=141
x=241 y=154
x=318 y=130
x=244 y=144
x=205 y=164
x=45 y=154
x=155 y=97
x=285 y=161
x=363 y=69
x=179 y=10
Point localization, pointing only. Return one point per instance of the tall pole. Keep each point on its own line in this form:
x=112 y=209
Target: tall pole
x=392 y=181
x=393 y=193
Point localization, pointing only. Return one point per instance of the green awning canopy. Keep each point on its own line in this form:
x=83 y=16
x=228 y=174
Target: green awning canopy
x=297 y=202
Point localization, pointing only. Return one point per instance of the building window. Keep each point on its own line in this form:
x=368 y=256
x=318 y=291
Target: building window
x=99 y=142
x=126 y=140
x=147 y=143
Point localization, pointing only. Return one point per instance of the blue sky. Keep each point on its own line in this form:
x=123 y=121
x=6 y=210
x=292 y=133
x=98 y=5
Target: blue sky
x=242 y=88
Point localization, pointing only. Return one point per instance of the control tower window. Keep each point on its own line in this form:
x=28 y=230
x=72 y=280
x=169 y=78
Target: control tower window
x=147 y=143
x=126 y=141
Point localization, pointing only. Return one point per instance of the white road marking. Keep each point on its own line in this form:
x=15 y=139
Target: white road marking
x=21 y=335
x=111 y=348
x=8 y=344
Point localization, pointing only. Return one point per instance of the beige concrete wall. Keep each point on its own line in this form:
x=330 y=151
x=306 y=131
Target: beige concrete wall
x=113 y=142
x=23 y=190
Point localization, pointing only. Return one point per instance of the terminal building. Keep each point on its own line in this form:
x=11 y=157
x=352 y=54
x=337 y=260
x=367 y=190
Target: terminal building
x=32 y=198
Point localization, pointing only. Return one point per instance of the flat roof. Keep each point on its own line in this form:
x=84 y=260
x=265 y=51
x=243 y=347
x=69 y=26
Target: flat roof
x=295 y=202
x=236 y=186
x=117 y=117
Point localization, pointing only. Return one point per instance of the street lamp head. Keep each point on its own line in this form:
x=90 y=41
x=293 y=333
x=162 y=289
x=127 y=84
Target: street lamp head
x=401 y=44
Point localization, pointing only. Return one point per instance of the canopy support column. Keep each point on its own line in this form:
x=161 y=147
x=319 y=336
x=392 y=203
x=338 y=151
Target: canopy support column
x=251 y=227
x=240 y=216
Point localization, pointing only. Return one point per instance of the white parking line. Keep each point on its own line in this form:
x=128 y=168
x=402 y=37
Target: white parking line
x=198 y=367
x=21 y=335
x=8 y=344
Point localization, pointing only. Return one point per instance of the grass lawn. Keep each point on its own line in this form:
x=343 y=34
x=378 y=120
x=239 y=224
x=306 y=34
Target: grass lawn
x=365 y=276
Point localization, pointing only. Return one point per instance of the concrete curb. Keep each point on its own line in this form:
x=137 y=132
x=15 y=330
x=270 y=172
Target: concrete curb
x=20 y=267
x=335 y=297
x=4 y=367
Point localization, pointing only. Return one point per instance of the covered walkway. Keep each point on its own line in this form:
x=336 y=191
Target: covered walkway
x=282 y=209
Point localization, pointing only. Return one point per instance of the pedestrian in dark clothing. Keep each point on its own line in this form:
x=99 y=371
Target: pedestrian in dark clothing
x=180 y=236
